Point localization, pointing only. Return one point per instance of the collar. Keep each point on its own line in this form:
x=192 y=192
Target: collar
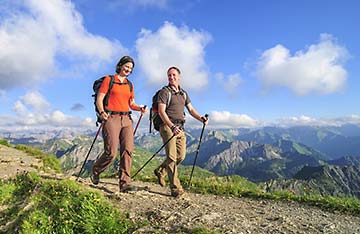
x=118 y=79
x=173 y=88
x=179 y=91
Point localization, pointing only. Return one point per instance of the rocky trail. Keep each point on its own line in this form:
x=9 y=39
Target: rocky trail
x=165 y=214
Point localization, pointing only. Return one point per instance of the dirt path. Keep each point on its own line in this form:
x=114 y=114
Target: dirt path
x=14 y=161
x=227 y=215
x=165 y=214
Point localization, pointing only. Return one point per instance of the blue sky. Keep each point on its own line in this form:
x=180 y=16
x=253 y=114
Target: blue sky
x=245 y=63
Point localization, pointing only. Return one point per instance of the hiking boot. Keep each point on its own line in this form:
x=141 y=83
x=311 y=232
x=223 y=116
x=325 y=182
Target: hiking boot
x=95 y=179
x=160 y=177
x=128 y=188
x=177 y=193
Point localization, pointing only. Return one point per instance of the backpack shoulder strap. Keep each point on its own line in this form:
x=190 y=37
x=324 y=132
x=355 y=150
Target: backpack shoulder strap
x=130 y=85
x=169 y=92
x=184 y=93
x=111 y=83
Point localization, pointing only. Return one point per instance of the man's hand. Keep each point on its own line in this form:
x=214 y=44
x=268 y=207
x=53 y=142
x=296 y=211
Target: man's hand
x=205 y=119
x=175 y=129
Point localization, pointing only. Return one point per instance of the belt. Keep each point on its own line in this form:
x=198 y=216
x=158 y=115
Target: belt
x=178 y=121
x=119 y=112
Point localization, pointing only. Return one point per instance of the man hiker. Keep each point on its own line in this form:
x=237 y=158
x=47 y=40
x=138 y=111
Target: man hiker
x=118 y=125
x=173 y=117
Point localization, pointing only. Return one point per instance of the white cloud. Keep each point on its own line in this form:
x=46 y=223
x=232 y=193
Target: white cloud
x=173 y=46
x=51 y=120
x=318 y=69
x=352 y=119
x=309 y=121
x=225 y=119
x=35 y=32
x=301 y=121
x=231 y=83
x=36 y=101
x=19 y=108
x=33 y=110
x=58 y=117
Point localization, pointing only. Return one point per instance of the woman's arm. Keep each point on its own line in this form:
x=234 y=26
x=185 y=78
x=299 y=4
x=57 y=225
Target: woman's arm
x=100 y=106
x=136 y=107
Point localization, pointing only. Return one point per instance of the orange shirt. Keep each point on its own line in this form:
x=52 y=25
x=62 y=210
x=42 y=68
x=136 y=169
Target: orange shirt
x=120 y=95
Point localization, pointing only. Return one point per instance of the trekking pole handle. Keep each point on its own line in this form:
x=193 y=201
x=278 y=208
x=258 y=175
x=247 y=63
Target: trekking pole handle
x=206 y=117
x=144 y=108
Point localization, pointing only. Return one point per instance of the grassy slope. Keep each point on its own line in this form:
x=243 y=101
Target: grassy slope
x=40 y=205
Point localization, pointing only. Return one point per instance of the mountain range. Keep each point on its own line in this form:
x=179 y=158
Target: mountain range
x=255 y=161
x=325 y=180
x=286 y=157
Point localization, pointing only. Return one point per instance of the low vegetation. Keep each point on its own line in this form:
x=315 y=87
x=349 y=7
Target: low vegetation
x=36 y=205
x=239 y=187
x=4 y=142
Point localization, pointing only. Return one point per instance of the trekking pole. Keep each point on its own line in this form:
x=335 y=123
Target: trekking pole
x=137 y=125
x=153 y=156
x=82 y=167
x=197 y=152
x=150 y=120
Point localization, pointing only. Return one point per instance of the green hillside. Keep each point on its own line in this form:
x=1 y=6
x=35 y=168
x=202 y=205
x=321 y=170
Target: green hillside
x=34 y=204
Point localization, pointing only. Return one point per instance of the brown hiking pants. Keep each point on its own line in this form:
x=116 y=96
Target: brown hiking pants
x=175 y=154
x=117 y=129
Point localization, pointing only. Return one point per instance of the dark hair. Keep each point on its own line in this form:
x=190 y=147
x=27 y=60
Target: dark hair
x=177 y=69
x=122 y=61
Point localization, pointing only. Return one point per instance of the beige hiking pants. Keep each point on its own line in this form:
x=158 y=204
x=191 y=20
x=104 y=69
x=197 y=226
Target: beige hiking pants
x=175 y=154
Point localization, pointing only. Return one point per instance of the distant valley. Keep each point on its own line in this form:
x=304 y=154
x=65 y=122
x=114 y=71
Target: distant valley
x=293 y=158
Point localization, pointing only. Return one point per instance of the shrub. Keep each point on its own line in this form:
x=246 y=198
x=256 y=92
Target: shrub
x=4 y=142
x=29 y=150
x=51 y=162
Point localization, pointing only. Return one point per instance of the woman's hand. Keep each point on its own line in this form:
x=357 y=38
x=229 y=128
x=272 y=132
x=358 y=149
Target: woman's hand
x=143 y=110
x=104 y=115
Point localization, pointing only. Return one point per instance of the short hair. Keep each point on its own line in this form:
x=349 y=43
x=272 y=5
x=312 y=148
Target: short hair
x=173 y=67
x=122 y=61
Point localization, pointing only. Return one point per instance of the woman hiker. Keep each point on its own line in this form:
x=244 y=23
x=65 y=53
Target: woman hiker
x=118 y=125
